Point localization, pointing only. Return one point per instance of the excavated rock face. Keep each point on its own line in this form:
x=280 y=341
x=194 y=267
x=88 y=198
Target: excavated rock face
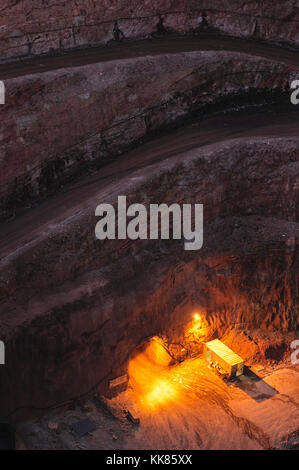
x=35 y=27
x=56 y=125
x=75 y=308
x=256 y=346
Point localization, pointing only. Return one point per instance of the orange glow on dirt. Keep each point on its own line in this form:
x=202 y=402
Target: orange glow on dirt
x=155 y=386
x=161 y=392
x=188 y=406
x=149 y=376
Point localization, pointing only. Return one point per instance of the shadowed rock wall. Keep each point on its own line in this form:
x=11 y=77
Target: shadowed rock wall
x=32 y=27
x=74 y=309
x=58 y=124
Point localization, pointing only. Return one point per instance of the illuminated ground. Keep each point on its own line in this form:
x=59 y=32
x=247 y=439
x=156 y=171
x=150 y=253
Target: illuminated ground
x=184 y=406
x=187 y=407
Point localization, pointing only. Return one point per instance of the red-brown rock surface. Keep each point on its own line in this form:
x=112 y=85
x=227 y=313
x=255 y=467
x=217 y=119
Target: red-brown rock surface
x=36 y=26
x=55 y=125
x=74 y=308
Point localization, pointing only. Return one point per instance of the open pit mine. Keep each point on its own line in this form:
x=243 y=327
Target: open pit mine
x=131 y=341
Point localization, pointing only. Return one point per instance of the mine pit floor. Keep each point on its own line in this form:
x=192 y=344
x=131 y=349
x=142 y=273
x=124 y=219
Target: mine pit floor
x=200 y=411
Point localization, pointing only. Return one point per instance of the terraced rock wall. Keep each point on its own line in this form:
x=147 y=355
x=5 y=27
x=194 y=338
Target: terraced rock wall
x=34 y=27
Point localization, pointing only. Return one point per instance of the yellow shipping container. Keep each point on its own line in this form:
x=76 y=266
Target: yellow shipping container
x=218 y=353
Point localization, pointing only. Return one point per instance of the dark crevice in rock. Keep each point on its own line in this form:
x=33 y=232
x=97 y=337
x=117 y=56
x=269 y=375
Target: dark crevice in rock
x=118 y=34
x=161 y=30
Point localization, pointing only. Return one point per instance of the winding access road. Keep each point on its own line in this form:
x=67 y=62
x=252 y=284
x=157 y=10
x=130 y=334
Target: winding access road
x=156 y=46
x=84 y=192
